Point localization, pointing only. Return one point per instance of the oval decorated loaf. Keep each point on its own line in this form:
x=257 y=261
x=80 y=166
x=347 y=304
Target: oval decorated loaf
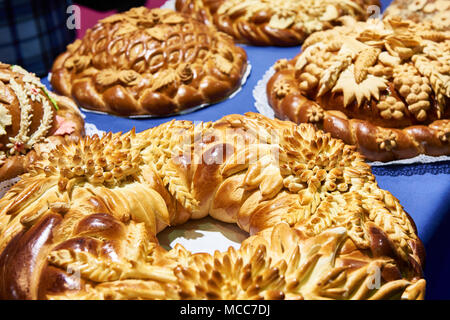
x=83 y=223
x=149 y=62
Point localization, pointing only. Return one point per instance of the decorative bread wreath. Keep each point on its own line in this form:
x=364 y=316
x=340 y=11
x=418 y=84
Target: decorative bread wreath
x=149 y=62
x=275 y=22
x=383 y=86
x=83 y=223
x=32 y=120
x=435 y=11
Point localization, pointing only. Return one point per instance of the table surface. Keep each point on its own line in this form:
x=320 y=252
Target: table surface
x=423 y=189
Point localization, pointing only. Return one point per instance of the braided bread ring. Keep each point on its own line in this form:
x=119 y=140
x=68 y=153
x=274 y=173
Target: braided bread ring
x=320 y=226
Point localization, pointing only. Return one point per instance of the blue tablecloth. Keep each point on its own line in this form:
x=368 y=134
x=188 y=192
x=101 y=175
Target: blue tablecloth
x=423 y=189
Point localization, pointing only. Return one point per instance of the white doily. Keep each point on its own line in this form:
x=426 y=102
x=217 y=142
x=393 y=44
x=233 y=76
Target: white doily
x=263 y=107
x=90 y=128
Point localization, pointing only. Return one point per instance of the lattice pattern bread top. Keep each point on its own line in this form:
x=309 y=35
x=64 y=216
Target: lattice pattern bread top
x=83 y=223
x=382 y=85
x=31 y=117
x=274 y=22
x=149 y=62
x=434 y=11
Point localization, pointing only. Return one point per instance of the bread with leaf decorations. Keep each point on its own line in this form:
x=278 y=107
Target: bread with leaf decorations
x=149 y=62
x=32 y=120
x=383 y=86
x=435 y=11
x=83 y=223
x=275 y=22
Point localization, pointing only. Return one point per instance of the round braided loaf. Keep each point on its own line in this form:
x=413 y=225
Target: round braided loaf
x=383 y=86
x=274 y=22
x=83 y=223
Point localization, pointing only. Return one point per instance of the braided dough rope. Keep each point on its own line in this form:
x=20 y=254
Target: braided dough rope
x=321 y=228
x=32 y=120
x=383 y=86
x=274 y=22
x=149 y=62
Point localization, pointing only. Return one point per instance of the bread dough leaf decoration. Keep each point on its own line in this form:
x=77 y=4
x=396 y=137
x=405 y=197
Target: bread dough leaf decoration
x=366 y=89
x=306 y=55
x=125 y=29
x=223 y=64
x=157 y=33
x=163 y=79
x=79 y=62
x=107 y=77
x=173 y=19
x=402 y=45
x=331 y=74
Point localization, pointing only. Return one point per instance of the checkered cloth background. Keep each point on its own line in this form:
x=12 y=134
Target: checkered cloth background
x=33 y=32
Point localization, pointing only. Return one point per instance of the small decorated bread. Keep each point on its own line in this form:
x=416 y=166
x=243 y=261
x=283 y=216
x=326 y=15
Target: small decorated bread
x=149 y=62
x=383 y=86
x=83 y=223
x=32 y=120
x=435 y=11
x=275 y=22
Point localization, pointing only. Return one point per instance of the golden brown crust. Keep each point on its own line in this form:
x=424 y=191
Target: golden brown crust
x=149 y=62
x=384 y=87
x=436 y=12
x=31 y=120
x=83 y=223
x=273 y=22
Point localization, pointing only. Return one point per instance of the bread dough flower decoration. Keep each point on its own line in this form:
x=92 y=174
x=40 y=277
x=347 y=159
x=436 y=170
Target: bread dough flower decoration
x=386 y=139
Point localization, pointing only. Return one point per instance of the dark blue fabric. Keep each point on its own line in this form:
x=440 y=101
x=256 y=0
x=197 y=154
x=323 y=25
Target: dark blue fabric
x=423 y=189
x=33 y=32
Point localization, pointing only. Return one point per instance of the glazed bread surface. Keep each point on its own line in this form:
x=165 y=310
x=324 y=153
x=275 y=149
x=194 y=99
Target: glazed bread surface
x=382 y=85
x=149 y=63
x=83 y=223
